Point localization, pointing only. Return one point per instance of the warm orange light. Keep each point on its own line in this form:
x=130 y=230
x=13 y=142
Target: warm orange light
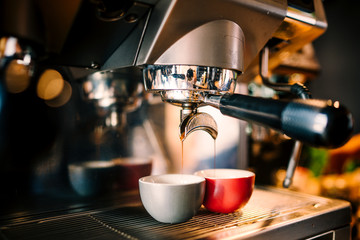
x=17 y=77
x=50 y=84
x=297 y=77
x=62 y=98
x=2 y=46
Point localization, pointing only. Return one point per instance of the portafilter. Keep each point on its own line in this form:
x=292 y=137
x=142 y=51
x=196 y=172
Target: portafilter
x=320 y=123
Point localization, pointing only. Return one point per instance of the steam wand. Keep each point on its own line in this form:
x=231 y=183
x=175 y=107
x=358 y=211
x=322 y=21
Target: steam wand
x=297 y=89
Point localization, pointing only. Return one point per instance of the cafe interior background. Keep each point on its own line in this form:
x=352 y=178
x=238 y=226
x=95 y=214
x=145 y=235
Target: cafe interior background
x=336 y=173
x=32 y=132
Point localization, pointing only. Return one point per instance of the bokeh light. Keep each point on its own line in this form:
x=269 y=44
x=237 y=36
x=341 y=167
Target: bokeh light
x=50 y=84
x=62 y=98
x=17 y=77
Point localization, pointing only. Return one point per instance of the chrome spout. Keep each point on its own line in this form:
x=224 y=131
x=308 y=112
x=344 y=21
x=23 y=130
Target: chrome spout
x=191 y=120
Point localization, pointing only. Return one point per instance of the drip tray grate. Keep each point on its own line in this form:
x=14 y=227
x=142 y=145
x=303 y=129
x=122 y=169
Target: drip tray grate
x=265 y=210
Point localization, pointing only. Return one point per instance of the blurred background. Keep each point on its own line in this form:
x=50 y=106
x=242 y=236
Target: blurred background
x=336 y=173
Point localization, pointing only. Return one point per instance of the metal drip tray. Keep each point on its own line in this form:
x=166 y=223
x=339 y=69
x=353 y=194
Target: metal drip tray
x=270 y=214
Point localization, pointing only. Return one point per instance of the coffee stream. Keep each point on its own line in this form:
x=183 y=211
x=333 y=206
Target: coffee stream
x=214 y=157
x=214 y=154
x=182 y=155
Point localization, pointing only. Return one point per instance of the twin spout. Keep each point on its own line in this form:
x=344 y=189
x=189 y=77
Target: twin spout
x=191 y=120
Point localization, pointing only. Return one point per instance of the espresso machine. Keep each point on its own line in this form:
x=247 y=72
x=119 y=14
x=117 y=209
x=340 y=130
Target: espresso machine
x=111 y=57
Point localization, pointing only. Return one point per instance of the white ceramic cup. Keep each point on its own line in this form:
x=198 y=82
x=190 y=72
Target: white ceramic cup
x=172 y=198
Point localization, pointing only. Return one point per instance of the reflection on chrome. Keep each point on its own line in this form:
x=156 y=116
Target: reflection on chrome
x=180 y=84
x=320 y=122
x=172 y=77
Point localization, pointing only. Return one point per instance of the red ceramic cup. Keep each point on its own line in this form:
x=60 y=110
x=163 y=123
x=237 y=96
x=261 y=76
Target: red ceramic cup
x=227 y=190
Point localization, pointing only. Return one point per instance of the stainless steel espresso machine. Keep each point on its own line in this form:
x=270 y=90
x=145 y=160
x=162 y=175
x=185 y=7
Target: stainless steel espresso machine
x=78 y=126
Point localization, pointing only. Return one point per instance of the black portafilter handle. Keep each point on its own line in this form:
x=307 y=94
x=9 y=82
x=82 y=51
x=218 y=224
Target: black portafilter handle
x=319 y=123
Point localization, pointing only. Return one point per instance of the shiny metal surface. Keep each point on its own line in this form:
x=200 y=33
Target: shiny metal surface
x=187 y=86
x=211 y=27
x=270 y=214
x=184 y=83
x=121 y=87
x=293 y=162
x=173 y=77
x=198 y=121
x=217 y=43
